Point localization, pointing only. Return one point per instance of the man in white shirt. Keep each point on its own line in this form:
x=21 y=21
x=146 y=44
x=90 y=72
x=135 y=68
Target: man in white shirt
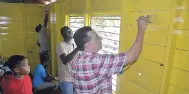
x=43 y=38
x=65 y=52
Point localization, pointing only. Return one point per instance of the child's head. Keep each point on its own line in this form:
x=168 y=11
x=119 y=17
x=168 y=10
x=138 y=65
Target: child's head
x=18 y=64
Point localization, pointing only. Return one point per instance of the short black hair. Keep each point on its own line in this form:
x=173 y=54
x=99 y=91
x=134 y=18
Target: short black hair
x=44 y=57
x=14 y=61
x=38 y=28
x=81 y=36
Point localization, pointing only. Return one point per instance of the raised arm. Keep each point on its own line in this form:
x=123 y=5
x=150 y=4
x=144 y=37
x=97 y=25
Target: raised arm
x=67 y=58
x=46 y=19
x=134 y=51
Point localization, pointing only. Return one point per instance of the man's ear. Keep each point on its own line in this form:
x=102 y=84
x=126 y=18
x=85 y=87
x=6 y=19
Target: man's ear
x=88 y=46
x=85 y=46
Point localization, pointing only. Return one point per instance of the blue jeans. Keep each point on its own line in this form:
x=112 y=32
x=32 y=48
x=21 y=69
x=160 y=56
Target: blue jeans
x=66 y=87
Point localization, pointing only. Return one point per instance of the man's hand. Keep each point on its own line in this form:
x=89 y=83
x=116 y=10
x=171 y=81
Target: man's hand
x=142 y=23
x=46 y=12
x=56 y=78
x=47 y=9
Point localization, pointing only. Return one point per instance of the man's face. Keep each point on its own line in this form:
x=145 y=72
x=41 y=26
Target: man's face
x=95 y=44
x=46 y=63
x=69 y=34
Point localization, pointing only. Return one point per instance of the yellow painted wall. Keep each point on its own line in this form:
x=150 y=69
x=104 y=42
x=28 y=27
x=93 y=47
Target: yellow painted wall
x=98 y=6
x=75 y=4
x=179 y=75
x=33 y=15
x=21 y=37
x=13 y=42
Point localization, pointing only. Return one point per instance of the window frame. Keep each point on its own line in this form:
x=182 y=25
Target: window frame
x=106 y=15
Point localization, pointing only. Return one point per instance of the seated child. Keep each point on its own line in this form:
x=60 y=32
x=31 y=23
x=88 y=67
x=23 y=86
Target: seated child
x=19 y=81
x=41 y=80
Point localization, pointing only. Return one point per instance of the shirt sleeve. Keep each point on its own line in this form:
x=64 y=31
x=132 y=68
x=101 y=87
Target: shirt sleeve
x=44 y=74
x=111 y=63
x=60 y=50
x=42 y=71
